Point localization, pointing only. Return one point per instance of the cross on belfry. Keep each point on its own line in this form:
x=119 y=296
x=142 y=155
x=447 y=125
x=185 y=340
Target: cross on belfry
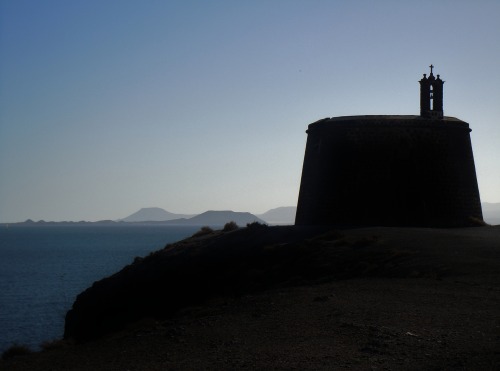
x=431 y=66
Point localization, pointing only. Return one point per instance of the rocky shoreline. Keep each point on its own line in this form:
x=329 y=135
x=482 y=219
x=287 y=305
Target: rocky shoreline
x=293 y=297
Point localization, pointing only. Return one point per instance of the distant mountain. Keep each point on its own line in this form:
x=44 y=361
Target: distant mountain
x=153 y=214
x=218 y=218
x=491 y=213
x=280 y=215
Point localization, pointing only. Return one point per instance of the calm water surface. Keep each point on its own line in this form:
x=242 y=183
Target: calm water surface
x=44 y=268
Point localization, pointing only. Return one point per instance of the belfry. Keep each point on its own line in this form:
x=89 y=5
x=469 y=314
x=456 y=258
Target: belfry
x=391 y=170
x=431 y=96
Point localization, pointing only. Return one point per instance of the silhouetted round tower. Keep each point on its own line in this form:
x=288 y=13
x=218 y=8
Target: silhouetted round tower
x=391 y=170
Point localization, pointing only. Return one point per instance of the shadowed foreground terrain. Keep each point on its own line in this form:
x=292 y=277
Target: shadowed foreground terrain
x=293 y=298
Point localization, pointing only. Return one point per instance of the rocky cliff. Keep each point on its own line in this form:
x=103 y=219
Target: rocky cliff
x=259 y=258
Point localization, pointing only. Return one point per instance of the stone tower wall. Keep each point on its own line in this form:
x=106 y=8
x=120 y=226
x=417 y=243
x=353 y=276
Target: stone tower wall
x=390 y=171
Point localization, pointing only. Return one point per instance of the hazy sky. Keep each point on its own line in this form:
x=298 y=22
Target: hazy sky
x=109 y=106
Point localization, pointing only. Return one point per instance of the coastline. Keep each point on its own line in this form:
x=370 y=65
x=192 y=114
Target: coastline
x=416 y=298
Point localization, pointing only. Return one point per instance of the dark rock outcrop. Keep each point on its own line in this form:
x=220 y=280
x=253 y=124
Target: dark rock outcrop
x=185 y=273
x=259 y=258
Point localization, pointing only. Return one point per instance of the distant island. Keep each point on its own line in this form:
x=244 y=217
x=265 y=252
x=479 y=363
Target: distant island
x=284 y=215
x=157 y=216
x=154 y=214
x=280 y=215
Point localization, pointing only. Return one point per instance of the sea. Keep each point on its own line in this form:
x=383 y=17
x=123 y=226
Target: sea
x=44 y=268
